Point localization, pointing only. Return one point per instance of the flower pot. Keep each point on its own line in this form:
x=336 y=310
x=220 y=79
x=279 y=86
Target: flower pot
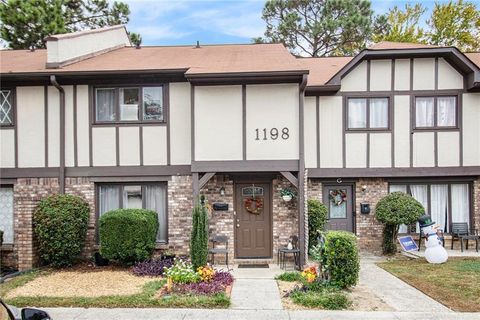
x=287 y=198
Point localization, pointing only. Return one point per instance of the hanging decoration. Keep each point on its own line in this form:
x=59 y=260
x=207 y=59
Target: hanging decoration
x=253 y=205
x=337 y=196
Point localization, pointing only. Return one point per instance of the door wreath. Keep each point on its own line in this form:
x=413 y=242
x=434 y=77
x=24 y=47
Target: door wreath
x=337 y=196
x=253 y=205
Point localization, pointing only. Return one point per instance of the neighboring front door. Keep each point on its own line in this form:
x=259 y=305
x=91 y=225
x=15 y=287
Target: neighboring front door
x=339 y=202
x=253 y=221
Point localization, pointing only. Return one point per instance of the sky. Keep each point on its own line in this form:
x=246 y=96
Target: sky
x=177 y=22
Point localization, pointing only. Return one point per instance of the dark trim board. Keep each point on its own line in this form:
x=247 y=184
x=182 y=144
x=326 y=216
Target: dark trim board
x=393 y=172
x=245 y=166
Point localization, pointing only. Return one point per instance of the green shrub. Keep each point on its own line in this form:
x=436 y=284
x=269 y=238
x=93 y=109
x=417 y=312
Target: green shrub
x=289 y=276
x=199 y=236
x=60 y=224
x=317 y=219
x=393 y=210
x=340 y=259
x=327 y=299
x=128 y=235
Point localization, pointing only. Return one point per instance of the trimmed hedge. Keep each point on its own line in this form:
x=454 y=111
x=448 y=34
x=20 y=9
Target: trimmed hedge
x=317 y=219
x=60 y=223
x=341 y=259
x=128 y=235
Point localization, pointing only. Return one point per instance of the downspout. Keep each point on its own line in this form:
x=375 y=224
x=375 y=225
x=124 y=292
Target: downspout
x=301 y=175
x=61 y=174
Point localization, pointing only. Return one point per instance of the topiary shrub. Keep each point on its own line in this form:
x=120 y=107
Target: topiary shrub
x=341 y=259
x=393 y=210
x=60 y=224
x=128 y=235
x=199 y=237
x=317 y=219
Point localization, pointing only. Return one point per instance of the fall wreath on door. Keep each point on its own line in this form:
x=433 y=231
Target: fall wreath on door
x=253 y=205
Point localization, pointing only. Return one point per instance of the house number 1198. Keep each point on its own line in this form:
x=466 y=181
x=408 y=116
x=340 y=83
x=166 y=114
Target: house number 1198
x=273 y=134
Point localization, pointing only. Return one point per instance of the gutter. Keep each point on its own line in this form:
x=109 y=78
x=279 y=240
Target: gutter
x=61 y=173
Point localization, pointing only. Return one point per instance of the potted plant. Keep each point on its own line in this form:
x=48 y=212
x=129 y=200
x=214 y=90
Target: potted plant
x=287 y=194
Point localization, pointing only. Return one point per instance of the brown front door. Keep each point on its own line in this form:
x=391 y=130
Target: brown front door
x=339 y=202
x=253 y=221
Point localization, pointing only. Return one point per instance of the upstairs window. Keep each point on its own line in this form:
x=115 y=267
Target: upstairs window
x=368 y=113
x=129 y=104
x=6 y=107
x=435 y=112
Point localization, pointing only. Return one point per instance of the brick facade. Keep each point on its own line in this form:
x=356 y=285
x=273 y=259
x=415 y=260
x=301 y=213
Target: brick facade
x=476 y=204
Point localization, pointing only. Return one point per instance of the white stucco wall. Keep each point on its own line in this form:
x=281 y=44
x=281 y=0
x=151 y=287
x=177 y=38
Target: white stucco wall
x=424 y=74
x=471 y=129
x=129 y=146
x=380 y=75
x=69 y=141
x=448 y=77
x=356 y=150
x=180 y=123
x=310 y=123
x=423 y=149
x=7 y=148
x=356 y=80
x=380 y=150
x=448 y=145
x=402 y=131
x=402 y=74
x=331 y=131
x=53 y=127
x=104 y=146
x=154 y=145
x=83 y=150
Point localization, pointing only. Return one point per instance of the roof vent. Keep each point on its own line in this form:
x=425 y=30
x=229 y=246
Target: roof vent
x=64 y=49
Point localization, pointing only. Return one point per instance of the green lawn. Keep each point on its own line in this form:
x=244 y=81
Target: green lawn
x=147 y=298
x=456 y=283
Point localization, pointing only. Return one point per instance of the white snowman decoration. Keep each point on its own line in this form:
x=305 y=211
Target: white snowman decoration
x=434 y=252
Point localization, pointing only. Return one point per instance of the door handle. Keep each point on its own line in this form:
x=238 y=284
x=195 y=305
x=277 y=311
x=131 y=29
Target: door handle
x=238 y=225
x=238 y=220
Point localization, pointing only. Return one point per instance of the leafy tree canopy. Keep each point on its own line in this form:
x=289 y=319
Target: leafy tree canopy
x=25 y=23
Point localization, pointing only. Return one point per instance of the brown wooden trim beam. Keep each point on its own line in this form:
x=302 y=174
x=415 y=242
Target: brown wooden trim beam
x=290 y=177
x=205 y=178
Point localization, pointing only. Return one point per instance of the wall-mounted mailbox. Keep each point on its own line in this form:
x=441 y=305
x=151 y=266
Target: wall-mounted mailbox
x=364 y=208
x=220 y=206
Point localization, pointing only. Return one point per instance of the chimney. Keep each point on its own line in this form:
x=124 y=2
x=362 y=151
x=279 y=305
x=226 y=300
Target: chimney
x=64 y=49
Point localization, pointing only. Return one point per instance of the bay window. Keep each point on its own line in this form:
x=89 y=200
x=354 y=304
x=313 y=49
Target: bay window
x=129 y=104
x=435 y=112
x=368 y=113
x=6 y=214
x=136 y=196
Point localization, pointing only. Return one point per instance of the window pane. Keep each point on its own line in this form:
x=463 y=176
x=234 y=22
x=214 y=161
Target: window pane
x=460 y=203
x=6 y=214
x=424 y=112
x=337 y=204
x=6 y=107
x=420 y=193
x=132 y=197
x=105 y=104
x=109 y=198
x=153 y=103
x=379 y=113
x=446 y=110
x=129 y=104
x=439 y=205
x=155 y=199
x=357 y=113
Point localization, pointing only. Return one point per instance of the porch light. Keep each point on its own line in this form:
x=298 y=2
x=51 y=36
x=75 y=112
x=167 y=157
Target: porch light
x=222 y=191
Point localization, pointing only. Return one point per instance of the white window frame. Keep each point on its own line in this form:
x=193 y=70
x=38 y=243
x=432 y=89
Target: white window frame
x=368 y=125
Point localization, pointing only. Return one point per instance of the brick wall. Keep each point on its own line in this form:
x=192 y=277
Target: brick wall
x=476 y=204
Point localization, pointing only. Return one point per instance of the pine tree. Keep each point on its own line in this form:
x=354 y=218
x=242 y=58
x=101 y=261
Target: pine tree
x=199 y=236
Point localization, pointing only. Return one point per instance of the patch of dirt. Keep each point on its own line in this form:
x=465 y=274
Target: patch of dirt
x=82 y=284
x=284 y=287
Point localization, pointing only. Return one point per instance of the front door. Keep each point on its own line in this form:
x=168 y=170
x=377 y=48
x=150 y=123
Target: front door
x=339 y=202
x=253 y=221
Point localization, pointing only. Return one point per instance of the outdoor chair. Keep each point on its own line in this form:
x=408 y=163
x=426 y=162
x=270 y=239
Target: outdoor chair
x=223 y=242
x=422 y=235
x=283 y=252
x=461 y=232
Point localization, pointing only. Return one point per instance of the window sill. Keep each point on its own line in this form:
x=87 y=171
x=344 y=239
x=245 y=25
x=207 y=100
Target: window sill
x=129 y=123
x=368 y=130
x=434 y=129
x=7 y=247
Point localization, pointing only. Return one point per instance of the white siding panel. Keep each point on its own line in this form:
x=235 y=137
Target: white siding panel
x=129 y=145
x=53 y=127
x=218 y=123
x=471 y=129
x=272 y=106
x=83 y=150
x=448 y=149
x=31 y=126
x=180 y=124
x=356 y=80
x=402 y=131
x=448 y=77
x=104 y=147
x=331 y=131
x=7 y=148
x=423 y=149
x=154 y=145
x=380 y=150
x=69 y=142
x=402 y=74
x=380 y=75
x=310 y=121
x=424 y=74
x=356 y=150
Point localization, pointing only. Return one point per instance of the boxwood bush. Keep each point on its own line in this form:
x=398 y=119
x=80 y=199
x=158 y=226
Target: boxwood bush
x=341 y=259
x=60 y=224
x=128 y=235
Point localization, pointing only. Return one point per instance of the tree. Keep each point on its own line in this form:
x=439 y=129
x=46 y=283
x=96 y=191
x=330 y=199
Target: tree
x=199 y=236
x=26 y=23
x=318 y=27
x=455 y=24
x=400 y=25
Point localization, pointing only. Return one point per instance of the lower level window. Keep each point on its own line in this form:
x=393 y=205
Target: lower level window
x=136 y=196
x=444 y=202
x=6 y=214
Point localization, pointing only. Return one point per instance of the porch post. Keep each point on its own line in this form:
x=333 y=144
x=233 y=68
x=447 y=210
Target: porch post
x=301 y=174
